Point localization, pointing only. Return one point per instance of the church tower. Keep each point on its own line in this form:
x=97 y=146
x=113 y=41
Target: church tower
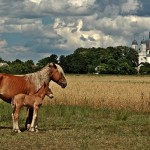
x=143 y=45
x=134 y=45
x=142 y=53
x=148 y=49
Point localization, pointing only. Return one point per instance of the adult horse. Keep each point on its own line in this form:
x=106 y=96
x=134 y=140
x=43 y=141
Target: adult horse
x=11 y=85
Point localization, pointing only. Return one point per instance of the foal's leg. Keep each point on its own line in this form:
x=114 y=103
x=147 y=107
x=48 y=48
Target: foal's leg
x=34 y=119
x=29 y=118
x=36 y=124
x=15 y=116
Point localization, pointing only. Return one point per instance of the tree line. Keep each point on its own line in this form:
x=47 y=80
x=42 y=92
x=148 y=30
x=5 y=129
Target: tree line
x=110 y=60
x=20 y=67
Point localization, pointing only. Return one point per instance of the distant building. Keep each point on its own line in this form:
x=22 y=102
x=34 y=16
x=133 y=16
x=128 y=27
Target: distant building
x=3 y=64
x=143 y=50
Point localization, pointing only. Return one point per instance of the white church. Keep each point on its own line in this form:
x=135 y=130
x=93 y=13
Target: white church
x=143 y=50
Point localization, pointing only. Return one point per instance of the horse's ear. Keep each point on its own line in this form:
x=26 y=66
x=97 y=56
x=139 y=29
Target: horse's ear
x=53 y=65
x=50 y=64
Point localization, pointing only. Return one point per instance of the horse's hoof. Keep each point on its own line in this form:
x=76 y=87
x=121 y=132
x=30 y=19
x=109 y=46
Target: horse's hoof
x=19 y=131
x=16 y=131
x=36 y=130
x=28 y=126
x=31 y=129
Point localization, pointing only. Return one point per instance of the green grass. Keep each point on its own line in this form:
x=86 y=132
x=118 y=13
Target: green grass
x=77 y=128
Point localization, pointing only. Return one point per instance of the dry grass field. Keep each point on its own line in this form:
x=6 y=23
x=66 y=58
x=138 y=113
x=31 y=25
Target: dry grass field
x=92 y=113
x=115 y=92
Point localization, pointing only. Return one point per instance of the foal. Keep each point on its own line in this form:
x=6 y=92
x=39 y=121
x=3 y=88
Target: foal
x=31 y=101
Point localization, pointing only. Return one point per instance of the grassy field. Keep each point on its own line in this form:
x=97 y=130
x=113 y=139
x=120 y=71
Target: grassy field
x=114 y=92
x=92 y=113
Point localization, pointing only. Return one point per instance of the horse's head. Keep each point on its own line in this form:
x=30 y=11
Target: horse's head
x=57 y=75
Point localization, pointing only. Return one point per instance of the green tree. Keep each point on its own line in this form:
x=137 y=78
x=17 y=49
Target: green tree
x=5 y=69
x=29 y=63
x=102 y=68
x=145 y=68
x=53 y=58
x=64 y=63
x=1 y=60
x=43 y=62
x=113 y=66
x=117 y=60
x=17 y=61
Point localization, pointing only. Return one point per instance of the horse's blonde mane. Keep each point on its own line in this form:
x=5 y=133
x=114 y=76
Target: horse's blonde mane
x=39 y=77
x=60 y=69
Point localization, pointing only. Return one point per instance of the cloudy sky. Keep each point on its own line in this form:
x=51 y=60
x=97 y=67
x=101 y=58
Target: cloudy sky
x=34 y=29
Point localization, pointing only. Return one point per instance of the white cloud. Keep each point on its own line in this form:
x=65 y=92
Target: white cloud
x=81 y=3
x=80 y=38
x=131 y=6
x=3 y=43
x=101 y=32
x=35 y=1
x=19 y=25
x=111 y=10
x=73 y=24
x=14 y=49
x=66 y=7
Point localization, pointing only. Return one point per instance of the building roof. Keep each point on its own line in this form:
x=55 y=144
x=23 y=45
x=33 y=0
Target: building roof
x=3 y=64
x=143 y=42
x=134 y=42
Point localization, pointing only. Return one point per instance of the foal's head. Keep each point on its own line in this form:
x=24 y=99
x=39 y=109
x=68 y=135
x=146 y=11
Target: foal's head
x=49 y=92
x=57 y=75
x=45 y=90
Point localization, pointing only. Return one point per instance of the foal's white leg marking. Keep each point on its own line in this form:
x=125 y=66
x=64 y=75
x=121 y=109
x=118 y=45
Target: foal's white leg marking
x=15 y=116
x=15 y=124
x=13 y=121
x=32 y=128
x=36 y=124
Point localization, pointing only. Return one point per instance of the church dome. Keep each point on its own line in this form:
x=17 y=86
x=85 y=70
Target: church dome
x=134 y=42
x=143 y=42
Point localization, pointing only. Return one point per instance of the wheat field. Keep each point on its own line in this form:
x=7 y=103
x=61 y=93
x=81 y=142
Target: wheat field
x=113 y=92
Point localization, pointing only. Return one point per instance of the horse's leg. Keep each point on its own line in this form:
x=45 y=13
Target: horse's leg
x=13 y=122
x=15 y=117
x=14 y=108
x=29 y=118
x=33 y=123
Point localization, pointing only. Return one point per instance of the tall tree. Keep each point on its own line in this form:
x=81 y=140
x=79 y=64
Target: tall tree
x=52 y=58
